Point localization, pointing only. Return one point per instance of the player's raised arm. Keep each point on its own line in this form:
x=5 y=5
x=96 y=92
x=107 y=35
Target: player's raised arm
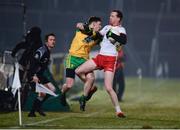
x=122 y=38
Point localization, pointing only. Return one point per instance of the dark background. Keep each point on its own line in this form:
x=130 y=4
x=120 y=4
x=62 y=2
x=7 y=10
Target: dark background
x=153 y=28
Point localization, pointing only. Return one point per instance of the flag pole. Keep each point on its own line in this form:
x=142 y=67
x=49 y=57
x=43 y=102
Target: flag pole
x=16 y=85
x=19 y=107
x=139 y=73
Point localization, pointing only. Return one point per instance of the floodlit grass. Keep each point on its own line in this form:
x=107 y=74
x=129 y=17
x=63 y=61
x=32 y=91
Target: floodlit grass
x=148 y=104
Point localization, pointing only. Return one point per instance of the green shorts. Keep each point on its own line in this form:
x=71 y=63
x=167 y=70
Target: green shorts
x=72 y=62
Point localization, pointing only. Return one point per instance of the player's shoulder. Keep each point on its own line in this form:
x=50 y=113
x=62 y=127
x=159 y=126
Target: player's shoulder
x=107 y=27
x=122 y=29
x=42 y=49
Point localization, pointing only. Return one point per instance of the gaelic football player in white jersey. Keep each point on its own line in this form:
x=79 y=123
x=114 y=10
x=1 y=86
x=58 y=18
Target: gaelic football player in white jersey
x=113 y=36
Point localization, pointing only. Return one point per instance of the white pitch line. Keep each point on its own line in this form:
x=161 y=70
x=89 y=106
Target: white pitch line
x=46 y=121
x=94 y=113
x=51 y=120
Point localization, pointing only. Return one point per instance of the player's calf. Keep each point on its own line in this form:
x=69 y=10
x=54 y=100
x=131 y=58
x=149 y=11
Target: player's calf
x=91 y=92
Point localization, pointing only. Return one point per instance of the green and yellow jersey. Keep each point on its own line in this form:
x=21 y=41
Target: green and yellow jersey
x=79 y=48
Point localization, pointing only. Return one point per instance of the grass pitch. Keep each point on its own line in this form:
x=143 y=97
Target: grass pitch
x=148 y=103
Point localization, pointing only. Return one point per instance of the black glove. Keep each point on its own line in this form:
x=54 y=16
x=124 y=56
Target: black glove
x=88 y=39
x=87 y=30
x=122 y=39
x=109 y=34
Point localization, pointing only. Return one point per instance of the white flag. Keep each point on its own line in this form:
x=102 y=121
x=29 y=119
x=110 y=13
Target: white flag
x=16 y=81
x=43 y=89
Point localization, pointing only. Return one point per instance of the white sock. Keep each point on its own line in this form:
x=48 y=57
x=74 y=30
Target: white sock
x=117 y=108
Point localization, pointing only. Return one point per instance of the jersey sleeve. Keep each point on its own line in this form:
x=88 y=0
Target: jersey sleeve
x=39 y=53
x=122 y=30
x=34 y=68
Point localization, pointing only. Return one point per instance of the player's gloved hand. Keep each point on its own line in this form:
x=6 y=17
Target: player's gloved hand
x=109 y=33
x=109 y=36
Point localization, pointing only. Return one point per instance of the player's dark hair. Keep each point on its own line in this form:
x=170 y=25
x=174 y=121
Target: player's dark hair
x=47 y=36
x=119 y=14
x=94 y=19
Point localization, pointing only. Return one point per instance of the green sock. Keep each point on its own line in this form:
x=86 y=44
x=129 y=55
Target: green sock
x=83 y=98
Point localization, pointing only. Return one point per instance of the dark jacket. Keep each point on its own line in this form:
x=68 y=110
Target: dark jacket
x=39 y=61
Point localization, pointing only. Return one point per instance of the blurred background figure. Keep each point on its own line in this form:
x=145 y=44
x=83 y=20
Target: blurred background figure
x=26 y=48
x=23 y=51
x=119 y=81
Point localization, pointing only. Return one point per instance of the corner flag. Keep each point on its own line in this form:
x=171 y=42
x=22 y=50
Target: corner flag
x=16 y=81
x=43 y=89
x=16 y=85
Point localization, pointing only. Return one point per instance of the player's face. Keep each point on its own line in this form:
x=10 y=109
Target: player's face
x=97 y=26
x=51 y=41
x=113 y=19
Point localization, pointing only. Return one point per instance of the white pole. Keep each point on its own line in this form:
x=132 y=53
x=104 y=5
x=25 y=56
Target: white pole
x=19 y=107
x=139 y=73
